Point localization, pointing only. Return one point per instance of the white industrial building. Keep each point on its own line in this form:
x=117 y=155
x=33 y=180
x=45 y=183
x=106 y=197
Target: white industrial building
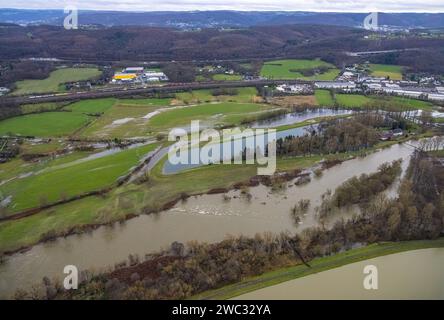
x=346 y=85
x=153 y=76
x=136 y=70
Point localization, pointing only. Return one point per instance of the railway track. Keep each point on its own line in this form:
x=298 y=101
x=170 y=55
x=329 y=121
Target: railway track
x=121 y=92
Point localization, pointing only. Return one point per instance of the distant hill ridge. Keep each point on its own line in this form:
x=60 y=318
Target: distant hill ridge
x=205 y=19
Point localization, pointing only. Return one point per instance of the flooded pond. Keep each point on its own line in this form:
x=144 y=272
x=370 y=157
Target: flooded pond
x=207 y=218
x=417 y=274
x=286 y=119
x=236 y=146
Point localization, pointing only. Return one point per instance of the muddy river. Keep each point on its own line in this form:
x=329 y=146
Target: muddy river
x=207 y=218
x=414 y=274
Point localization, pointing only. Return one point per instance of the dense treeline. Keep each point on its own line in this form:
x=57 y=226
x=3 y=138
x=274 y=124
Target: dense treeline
x=8 y=110
x=186 y=270
x=330 y=137
x=14 y=71
x=360 y=190
x=179 y=72
x=260 y=42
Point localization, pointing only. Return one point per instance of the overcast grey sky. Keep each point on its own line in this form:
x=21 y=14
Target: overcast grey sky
x=246 y=5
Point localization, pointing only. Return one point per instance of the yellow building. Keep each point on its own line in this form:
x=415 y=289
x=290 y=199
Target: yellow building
x=124 y=76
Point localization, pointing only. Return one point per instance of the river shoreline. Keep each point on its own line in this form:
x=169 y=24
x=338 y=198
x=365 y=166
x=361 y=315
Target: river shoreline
x=172 y=202
x=318 y=265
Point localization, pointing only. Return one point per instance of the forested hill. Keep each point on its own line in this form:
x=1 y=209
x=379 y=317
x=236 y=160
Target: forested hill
x=195 y=19
x=260 y=42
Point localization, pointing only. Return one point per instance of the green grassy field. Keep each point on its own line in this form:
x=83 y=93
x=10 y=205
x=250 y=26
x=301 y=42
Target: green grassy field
x=55 y=79
x=318 y=265
x=69 y=179
x=227 y=77
x=18 y=166
x=352 y=100
x=134 y=109
x=91 y=106
x=146 y=101
x=48 y=124
x=32 y=148
x=247 y=94
x=412 y=103
x=324 y=98
x=224 y=112
x=397 y=103
x=385 y=70
x=288 y=69
x=39 y=107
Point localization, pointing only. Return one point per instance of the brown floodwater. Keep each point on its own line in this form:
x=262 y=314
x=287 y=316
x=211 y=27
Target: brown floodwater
x=417 y=274
x=208 y=218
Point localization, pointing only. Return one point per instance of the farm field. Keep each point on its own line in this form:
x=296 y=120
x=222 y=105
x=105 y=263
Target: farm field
x=91 y=106
x=146 y=101
x=40 y=107
x=400 y=103
x=65 y=180
x=227 y=77
x=55 y=79
x=324 y=98
x=223 y=112
x=352 y=100
x=385 y=70
x=47 y=124
x=125 y=118
x=295 y=100
x=292 y=69
x=412 y=103
x=247 y=94
x=19 y=166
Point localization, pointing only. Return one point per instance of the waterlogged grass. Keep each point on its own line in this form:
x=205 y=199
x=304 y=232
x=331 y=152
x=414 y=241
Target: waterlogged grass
x=324 y=98
x=55 y=79
x=290 y=69
x=48 y=124
x=318 y=265
x=53 y=145
x=384 y=70
x=134 y=126
x=224 y=112
x=70 y=179
x=17 y=166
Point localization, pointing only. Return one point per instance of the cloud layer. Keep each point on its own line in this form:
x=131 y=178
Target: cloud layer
x=244 y=5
